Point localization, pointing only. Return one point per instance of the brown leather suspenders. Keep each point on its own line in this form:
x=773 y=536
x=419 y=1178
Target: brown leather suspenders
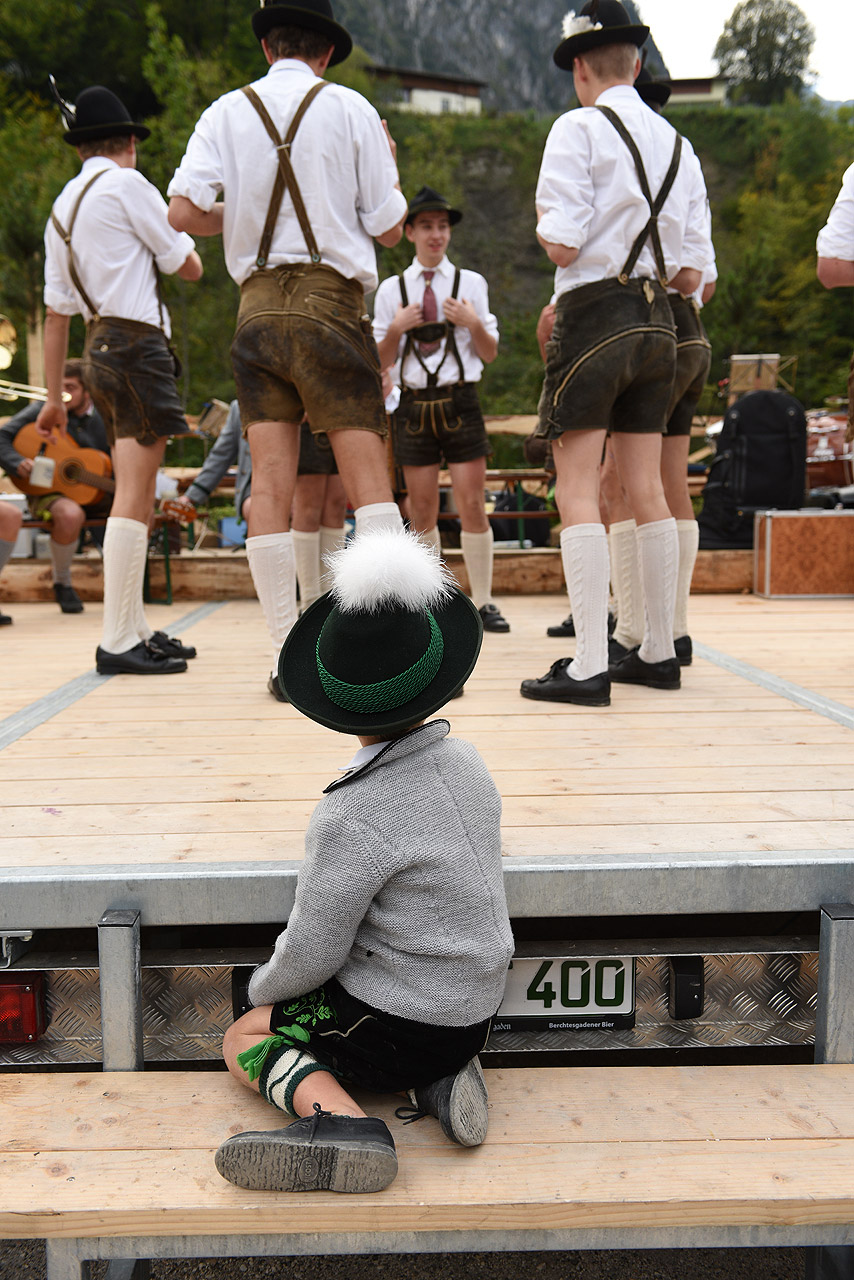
x=72 y=266
x=285 y=176
x=650 y=231
x=66 y=238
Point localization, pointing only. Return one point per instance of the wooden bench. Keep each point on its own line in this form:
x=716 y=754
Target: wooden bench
x=119 y=1165
x=160 y=533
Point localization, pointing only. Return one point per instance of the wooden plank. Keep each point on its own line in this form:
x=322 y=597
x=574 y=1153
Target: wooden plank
x=128 y=1111
x=194 y=786
x=797 y=1170
x=546 y=812
x=805 y=840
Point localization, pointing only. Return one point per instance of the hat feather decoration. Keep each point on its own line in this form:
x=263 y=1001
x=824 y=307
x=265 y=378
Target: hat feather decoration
x=68 y=109
x=574 y=23
x=388 y=569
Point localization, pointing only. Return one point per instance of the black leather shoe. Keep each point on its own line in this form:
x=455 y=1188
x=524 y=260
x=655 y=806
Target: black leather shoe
x=275 y=688
x=684 y=650
x=67 y=598
x=5 y=620
x=616 y=651
x=657 y=675
x=557 y=686
x=493 y=619
x=563 y=629
x=141 y=660
x=567 y=627
x=323 y=1152
x=170 y=645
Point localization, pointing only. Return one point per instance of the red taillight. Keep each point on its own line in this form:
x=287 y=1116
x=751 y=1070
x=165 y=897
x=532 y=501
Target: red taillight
x=22 y=1007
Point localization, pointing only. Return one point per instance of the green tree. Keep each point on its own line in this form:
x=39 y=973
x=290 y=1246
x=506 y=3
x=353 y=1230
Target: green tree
x=765 y=49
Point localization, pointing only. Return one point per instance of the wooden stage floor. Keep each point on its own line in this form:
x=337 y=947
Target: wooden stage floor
x=205 y=767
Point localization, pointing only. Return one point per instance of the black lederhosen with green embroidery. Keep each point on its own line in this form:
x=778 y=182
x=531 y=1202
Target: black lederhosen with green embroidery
x=369 y=1049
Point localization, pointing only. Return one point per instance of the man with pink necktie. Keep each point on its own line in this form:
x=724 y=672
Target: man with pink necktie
x=435 y=331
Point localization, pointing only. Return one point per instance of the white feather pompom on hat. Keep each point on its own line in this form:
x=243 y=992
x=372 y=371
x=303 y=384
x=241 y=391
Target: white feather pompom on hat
x=388 y=569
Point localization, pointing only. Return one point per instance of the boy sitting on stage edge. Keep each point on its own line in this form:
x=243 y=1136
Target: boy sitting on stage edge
x=395 y=955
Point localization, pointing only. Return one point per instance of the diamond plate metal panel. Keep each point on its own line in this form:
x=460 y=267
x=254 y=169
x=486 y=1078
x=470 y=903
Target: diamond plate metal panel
x=757 y=1000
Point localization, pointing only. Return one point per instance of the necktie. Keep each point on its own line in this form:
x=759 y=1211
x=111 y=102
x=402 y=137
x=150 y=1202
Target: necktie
x=430 y=312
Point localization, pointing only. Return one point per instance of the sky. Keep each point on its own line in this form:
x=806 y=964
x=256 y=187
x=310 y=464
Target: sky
x=686 y=32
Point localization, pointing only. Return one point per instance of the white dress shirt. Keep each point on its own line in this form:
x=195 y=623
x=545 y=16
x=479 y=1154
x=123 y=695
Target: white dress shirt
x=473 y=289
x=343 y=166
x=591 y=200
x=836 y=238
x=120 y=224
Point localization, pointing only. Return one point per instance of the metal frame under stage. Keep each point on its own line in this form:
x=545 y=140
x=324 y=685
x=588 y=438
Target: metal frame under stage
x=830 y=1248
x=68 y=1259
x=557 y=886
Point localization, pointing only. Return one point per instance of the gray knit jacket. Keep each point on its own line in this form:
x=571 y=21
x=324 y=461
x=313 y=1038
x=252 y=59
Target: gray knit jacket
x=401 y=894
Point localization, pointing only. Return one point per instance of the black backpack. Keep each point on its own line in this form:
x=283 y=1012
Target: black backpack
x=760 y=463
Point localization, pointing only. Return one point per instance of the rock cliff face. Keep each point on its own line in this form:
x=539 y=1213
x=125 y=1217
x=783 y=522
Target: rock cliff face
x=507 y=45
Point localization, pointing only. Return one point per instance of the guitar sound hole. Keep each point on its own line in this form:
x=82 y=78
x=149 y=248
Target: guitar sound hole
x=70 y=471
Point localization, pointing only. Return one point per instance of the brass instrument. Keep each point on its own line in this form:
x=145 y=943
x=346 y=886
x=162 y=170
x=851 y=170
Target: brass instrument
x=8 y=348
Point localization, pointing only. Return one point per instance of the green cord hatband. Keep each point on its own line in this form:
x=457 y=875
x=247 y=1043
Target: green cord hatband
x=384 y=695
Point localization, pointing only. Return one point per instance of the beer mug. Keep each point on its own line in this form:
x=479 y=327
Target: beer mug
x=41 y=476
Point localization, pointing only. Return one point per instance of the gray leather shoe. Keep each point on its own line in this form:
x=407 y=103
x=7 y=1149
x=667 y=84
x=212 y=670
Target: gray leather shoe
x=458 y=1102
x=323 y=1152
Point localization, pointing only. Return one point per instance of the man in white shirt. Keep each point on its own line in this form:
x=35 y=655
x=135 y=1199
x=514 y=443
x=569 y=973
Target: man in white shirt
x=835 y=268
x=106 y=242
x=435 y=331
x=619 y=214
x=308 y=180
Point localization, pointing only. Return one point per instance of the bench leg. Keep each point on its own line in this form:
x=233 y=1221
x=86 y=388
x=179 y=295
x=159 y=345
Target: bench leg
x=63 y=1262
x=121 y=991
x=834 y=1042
x=830 y=1263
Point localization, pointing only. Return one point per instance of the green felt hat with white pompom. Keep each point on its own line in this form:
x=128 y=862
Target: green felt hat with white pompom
x=393 y=640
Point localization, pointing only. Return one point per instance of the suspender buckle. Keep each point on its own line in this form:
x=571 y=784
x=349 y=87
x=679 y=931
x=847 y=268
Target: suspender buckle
x=283 y=146
x=315 y=257
x=623 y=278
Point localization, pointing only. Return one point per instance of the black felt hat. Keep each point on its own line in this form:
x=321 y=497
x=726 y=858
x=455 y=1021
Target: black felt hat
x=314 y=15
x=598 y=23
x=391 y=643
x=654 y=92
x=98 y=113
x=429 y=201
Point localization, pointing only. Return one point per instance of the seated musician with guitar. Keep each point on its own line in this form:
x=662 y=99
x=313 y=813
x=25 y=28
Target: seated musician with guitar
x=82 y=484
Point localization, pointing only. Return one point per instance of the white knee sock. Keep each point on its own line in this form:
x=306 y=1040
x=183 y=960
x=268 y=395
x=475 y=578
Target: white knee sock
x=689 y=540
x=271 y=563
x=330 y=540
x=378 y=515
x=478 y=549
x=433 y=539
x=307 y=564
x=658 y=553
x=584 y=552
x=125 y=550
x=625 y=576
x=62 y=555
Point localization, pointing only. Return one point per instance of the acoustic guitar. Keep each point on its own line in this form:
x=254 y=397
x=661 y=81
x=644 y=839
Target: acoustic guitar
x=82 y=474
